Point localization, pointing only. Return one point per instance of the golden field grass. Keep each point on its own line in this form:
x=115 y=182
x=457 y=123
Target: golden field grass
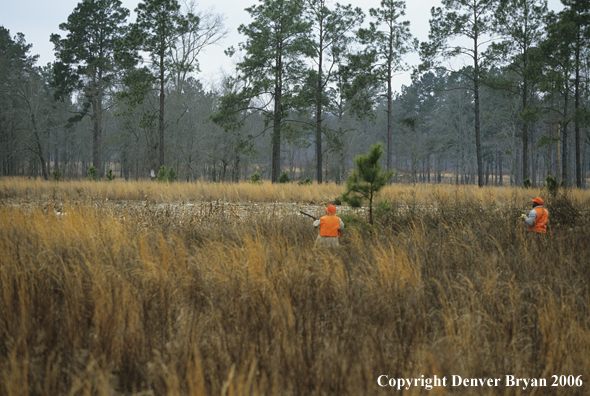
x=27 y=189
x=123 y=298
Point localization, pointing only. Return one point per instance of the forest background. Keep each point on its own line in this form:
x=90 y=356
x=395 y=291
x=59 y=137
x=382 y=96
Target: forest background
x=499 y=95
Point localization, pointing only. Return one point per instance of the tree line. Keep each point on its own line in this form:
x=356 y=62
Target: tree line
x=500 y=94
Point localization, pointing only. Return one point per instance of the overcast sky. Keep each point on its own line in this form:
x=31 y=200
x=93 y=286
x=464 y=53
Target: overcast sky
x=38 y=19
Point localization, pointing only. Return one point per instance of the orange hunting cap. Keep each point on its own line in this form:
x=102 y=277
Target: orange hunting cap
x=331 y=209
x=537 y=201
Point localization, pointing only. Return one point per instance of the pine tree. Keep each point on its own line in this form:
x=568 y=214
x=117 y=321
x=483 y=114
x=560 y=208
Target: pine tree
x=162 y=174
x=332 y=28
x=520 y=21
x=159 y=25
x=272 y=65
x=86 y=60
x=172 y=175
x=366 y=180
x=387 y=40
x=462 y=19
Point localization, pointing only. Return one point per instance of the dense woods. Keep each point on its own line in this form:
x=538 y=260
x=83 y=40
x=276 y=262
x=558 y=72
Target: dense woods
x=500 y=94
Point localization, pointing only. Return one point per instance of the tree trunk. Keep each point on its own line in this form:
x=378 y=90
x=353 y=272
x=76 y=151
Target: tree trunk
x=97 y=134
x=525 y=140
x=476 y=103
x=500 y=169
x=371 y=208
x=161 y=115
x=39 y=149
x=576 y=121
x=564 y=156
x=327 y=163
x=389 y=118
x=276 y=135
x=318 y=141
x=56 y=161
x=533 y=158
x=48 y=157
x=340 y=133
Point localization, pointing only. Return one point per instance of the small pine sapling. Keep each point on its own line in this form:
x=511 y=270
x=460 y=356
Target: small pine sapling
x=284 y=178
x=527 y=183
x=110 y=175
x=92 y=173
x=553 y=185
x=162 y=174
x=172 y=175
x=255 y=178
x=57 y=175
x=366 y=180
x=305 y=181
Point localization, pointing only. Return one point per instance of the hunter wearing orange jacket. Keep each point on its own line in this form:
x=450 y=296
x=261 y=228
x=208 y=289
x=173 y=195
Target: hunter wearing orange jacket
x=330 y=226
x=537 y=218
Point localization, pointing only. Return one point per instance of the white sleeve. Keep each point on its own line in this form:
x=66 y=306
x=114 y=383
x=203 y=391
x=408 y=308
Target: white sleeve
x=530 y=219
x=316 y=223
x=341 y=223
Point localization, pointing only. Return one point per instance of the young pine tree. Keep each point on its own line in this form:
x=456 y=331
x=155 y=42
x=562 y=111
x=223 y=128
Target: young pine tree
x=366 y=180
x=162 y=174
x=172 y=175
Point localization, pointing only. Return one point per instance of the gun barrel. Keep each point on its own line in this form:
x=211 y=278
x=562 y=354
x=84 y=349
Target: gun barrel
x=307 y=214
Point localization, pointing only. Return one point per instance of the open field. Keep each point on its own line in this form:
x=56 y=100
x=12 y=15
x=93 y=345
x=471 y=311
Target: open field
x=141 y=288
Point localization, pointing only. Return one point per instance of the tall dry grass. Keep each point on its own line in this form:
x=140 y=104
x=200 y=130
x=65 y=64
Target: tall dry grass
x=102 y=299
x=120 y=190
x=22 y=188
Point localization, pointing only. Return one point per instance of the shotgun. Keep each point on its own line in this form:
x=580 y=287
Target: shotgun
x=307 y=214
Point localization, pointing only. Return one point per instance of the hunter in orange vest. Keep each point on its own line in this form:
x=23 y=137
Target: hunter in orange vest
x=537 y=218
x=330 y=226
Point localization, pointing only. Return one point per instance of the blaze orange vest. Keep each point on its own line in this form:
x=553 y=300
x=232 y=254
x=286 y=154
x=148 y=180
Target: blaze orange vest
x=540 y=224
x=330 y=226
